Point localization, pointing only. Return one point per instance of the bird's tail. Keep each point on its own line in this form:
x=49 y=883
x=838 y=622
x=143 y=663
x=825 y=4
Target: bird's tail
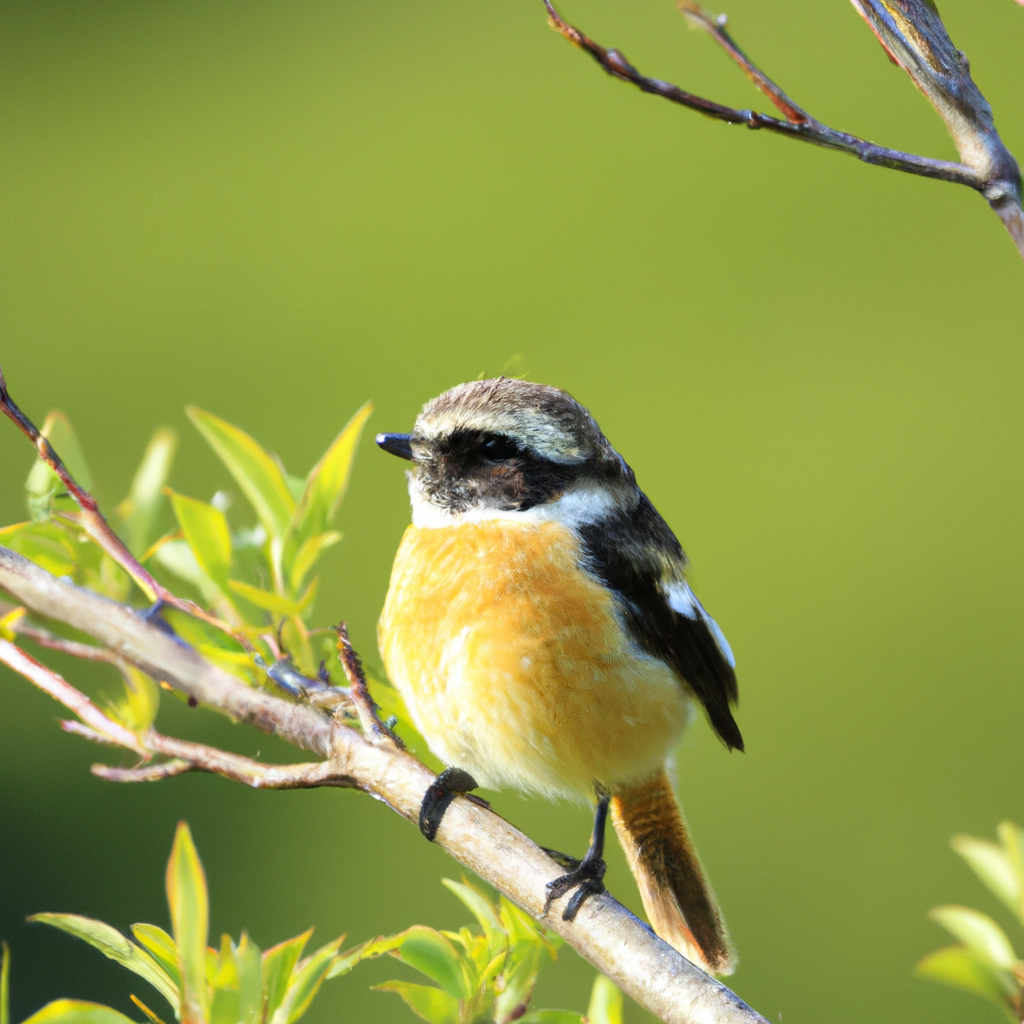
x=677 y=897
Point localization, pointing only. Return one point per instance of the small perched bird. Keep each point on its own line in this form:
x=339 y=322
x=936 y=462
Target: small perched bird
x=541 y=631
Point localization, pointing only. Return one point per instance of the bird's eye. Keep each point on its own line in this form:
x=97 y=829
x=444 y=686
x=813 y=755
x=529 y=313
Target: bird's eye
x=498 y=447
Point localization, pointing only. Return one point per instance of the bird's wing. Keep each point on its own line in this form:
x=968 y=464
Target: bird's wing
x=636 y=555
x=697 y=649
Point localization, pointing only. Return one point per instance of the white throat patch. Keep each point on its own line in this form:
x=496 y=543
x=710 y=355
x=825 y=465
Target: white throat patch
x=577 y=507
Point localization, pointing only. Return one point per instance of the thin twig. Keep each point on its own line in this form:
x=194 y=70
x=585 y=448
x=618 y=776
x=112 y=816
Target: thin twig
x=147 y=773
x=716 y=28
x=996 y=177
x=57 y=687
x=366 y=707
x=90 y=519
x=43 y=637
x=604 y=932
x=809 y=130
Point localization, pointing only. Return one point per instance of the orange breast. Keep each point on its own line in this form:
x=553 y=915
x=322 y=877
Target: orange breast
x=515 y=665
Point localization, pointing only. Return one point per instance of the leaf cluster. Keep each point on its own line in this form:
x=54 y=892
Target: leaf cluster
x=257 y=577
x=984 y=961
x=477 y=975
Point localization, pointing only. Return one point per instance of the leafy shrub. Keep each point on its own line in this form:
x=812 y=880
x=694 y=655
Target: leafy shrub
x=478 y=975
x=984 y=961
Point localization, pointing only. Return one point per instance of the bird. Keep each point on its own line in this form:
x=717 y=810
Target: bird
x=541 y=630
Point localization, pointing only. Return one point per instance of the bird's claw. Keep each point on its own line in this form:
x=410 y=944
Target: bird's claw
x=587 y=878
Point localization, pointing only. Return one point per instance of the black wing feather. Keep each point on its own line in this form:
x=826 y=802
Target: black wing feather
x=628 y=553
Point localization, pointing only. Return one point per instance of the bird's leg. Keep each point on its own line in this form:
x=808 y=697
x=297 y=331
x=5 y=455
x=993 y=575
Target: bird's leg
x=587 y=877
x=444 y=789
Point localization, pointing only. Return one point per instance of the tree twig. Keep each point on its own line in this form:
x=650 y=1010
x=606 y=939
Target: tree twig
x=935 y=65
x=366 y=708
x=59 y=688
x=95 y=525
x=43 y=637
x=604 y=932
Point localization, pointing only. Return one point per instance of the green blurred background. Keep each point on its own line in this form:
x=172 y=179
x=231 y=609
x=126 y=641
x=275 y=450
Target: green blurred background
x=279 y=210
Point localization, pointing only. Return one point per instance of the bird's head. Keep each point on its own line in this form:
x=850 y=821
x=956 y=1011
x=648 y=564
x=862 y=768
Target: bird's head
x=503 y=447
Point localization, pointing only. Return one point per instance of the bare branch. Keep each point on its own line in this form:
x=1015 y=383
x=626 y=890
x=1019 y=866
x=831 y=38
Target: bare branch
x=604 y=932
x=996 y=176
x=915 y=38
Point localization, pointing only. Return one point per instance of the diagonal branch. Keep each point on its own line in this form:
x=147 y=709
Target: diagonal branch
x=987 y=165
x=604 y=932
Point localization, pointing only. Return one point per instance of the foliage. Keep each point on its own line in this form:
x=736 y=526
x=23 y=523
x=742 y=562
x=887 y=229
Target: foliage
x=258 y=580
x=485 y=975
x=984 y=961
x=258 y=577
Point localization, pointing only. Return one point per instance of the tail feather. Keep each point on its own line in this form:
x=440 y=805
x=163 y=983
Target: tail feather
x=676 y=895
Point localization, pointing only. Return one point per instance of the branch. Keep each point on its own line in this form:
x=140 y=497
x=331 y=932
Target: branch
x=603 y=932
x=915 y=37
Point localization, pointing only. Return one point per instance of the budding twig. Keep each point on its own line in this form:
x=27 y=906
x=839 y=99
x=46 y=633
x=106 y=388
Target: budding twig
x=929 y=57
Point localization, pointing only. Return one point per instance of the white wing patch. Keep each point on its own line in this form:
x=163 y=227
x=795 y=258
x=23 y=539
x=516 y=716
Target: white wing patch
x=682 y=599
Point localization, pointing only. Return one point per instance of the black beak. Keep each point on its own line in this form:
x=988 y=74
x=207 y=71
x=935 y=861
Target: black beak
x=396 y=444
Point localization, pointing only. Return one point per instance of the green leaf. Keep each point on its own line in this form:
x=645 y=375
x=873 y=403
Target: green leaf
x=190 y=915
x=137 y=709
x=430 y=953
x=979 y=932
x=520 y=980
x=427 y=1002
x=43 y=484
x=991 y=863
x=960 y=967
x=274 y=602
x=476 y=903
x=206 y=530
x=9 y=621
x=328 y=479
x=140 y=509
x=1012 y=838
x=224 y=1007
x=605 y=1002
x=278 y=963
x=161 y=947
x=77 y=1011
x=305 y=982
x=254 y=470
x=5 y=984
x=306 y=556
x=111 y=943
x=344 y=962
x=551 y=1017
x=225 y=971
x=250 y=981
x=47 y=544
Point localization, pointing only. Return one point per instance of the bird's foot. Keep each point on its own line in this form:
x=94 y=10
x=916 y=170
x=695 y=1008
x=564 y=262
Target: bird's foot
x=444 y=789
x=587 y=878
